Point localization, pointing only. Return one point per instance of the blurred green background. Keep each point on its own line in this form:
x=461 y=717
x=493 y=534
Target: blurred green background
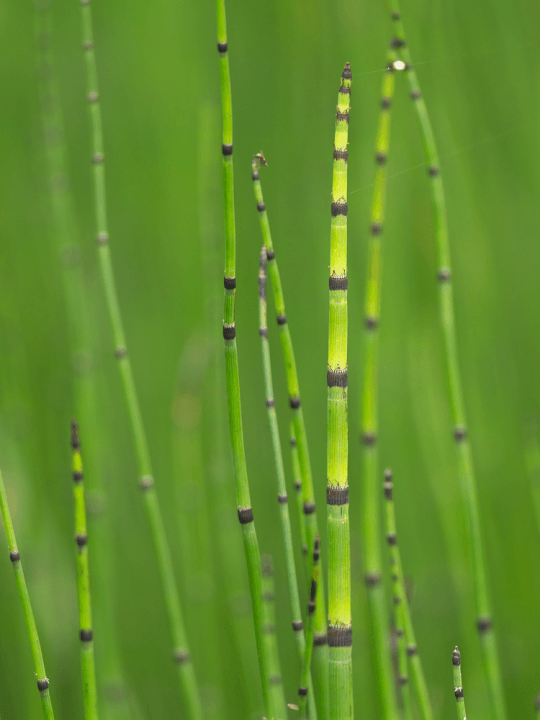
x=158 y=67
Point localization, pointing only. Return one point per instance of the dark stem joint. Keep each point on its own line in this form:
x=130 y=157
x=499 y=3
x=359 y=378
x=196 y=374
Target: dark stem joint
x=320 y=639
x=391 y=538
x=88 y=45
x=92 y=97
x=339 y=208
x=388 y=487
x=398 y=42
x=281 y=319
x=347 y=72
x=263 y=332
x=403 y=680
x=282 y=499
x=226 y=149
x=229 y=283
x=81 y=540
x=270 y=254
x=181 y=656
x=458 y=692
x=345 y=90
x=372 y=579
x=369 y=438
x=342 y=117
x=294 y=402
x=14 y=556
x=97 y=158
x=456 y=658
x=380 y=158
x=415 y=95
x=222 y=47
x=146 y=482
x=385 y=103
x=297 y=625
x=338 y=282
x=341 y=155
x=302 y=691
x=229 y=331
x=309 y=507
x=86 y=635
x=433 y=170
x=78 y=476
x=293 y=442
x=298 y=485
x=337 y=378
x=261 y=207
x=339 y=636
x=245 y=515
x=270 y=403
x=120 y=351
x=337 y=495
x=484 y=625
x=460 y=433
x=412 y=650
x=102 y=238
x=395 y=16
x=376 y=229
x=445 y=274
x=43 y=685
x=397 y=599
x=371 y=322
x=255 y=175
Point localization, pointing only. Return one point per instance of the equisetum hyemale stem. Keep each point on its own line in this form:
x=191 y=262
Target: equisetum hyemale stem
x=320 y=651
x=181 y=653
x=372 y=524
x=15 y=557
x=280 y=475
x=245 y=512
x=86 y=631
x=407 y=642
x=298 y=488
x=303 y=689
x=458 y=684
x=274 y=673
x=337 y=492
x=448 y=324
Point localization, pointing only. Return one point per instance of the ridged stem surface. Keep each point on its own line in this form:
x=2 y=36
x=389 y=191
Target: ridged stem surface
x=372 y=521
x=86 y=632
x=280 y=476
x=298 y=488
x=245 y=512
x=269 y=630
x=320 y=650
x=15 y=557
x=447 y=318
x=337 y=491
x=303 y=689
x=407 y=640
x=161 y=546
x=458 y=685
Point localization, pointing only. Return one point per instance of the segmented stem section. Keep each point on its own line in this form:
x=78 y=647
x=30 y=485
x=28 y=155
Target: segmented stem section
x=270 y=639
x=298 y=488
x=458 y=684
x=304 y=692
x=406 y=642
x=372 y=522
x=447 y=318
x=245 y=512
x=161 y=547
x=15 y=557
x=337 y=493
x=280 y=475
x=86 y=632
x=320 y=653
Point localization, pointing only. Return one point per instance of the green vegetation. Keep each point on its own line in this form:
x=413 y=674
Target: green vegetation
x=458 y=684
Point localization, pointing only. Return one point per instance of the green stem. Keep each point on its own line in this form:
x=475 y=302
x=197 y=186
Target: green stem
x=303 y=689
x=15 y=557
x=86 y=632
x=161 y=547
x=245 y=512
x=320 y=651
x=298 y=488
x=337 y=492
x=372 y=529
x=446 y=312
x=270 y=640
x=407 y=641
x=280 y=476
x=458 y=684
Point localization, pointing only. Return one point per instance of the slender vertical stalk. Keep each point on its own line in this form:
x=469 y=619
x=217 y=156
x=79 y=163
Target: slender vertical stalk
x=372 y=530
x=532 y=461
x=537 y=706
x=458 y=684
x=86 y=631
x=446 y=311
x=310 y=631
x=15 y=557
x=320 y=651
x=337 y=492
x=298 y=489
x=280 y=476
x=270 y=640
x=407 y=641
x=161 y=547
x=245 y=512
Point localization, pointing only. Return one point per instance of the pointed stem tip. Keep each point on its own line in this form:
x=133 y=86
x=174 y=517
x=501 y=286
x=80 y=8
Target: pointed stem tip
x=346 y=74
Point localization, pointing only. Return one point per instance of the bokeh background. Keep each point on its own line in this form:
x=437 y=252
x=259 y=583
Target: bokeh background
x=159 y=78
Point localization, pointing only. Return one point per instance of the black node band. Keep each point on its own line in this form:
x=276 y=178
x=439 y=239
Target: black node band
x=86 y=635
x=391 y=538
x=388 y=487
x=376 y=229
x=456 y=657
x=484 y=624
x=371 y=322
x=222 y=47
x=458 y=692
x=460 y=433
x=345 y=90
x=445 y=274
x=297 y=625
x=386 y=102
x=270 y=254
x=270 y=403
x=78 y=476
x=341 y=155
x=397 y=42
x=302 y=691
x=294 y=402
x=320 y=639
x=81 y=540
x=395 y=16
x=14 y=556
x=261 y=207
x=226 y=149
x=337 y=378
x=347 y=72
x=343 y=116
x=403 y=680
x=43 y=685
x=245 y=515
x=338 y=209
x=254 y=175
x=297 y=485
x=293 y=442
x=339 y=636
x=433 y=170
x=229 y=332
x=229 y=283
x=369 y=438
x=372 y=579
x=281 y=319
x=337 y=495
x=309 y=507
x=336 y=282
x=282 y=499
x=380 y=158
x=181 y=656
x=263 y=332
x=412 y=650
x=415 y=95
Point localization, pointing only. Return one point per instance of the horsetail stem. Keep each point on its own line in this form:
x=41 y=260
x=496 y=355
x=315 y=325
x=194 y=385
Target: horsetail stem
x=320 y=652
x=304 y=691
x=337 y=492
x=245 y=512
x=275 y=681
x=458 y=684
x=86 y=631
x=15 y=557
x=298 y=488
x=407 y=643
x=280 y=475
x=161 y=547
x=372 y=531
x=446 y=312
x=537 y=706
